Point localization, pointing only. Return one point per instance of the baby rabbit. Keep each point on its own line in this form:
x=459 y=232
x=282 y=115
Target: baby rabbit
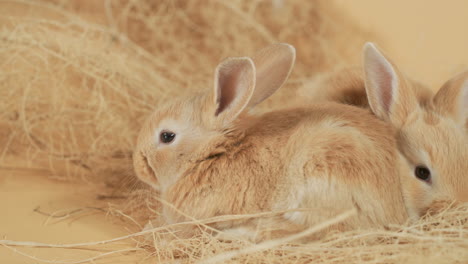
x=431 y=135
x=209 y=156
x=431 y=128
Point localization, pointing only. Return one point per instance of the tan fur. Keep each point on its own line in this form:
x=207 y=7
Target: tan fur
x=431 y=128
x=325 y=158
x=347 y=86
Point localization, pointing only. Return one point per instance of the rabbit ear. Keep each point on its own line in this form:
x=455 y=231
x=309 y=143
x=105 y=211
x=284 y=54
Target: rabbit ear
x=389 y=97
x=234 y=86
x=273 y=65
x=452 y=99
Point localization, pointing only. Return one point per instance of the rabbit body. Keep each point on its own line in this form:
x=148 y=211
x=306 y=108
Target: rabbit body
x=223 y=160
x=328 y=157
x=431 y=127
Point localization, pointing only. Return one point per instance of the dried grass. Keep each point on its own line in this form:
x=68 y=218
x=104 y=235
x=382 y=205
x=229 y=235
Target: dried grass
x=78 y=77
x=439 y=238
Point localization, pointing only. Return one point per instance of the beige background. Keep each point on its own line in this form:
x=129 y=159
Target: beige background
x=427 y=39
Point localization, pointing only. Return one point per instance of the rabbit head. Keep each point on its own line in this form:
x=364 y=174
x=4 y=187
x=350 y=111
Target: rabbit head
x=186 y=131
x=431 y=135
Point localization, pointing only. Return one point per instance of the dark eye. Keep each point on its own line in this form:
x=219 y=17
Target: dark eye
x=167 y=136
x=423 y=173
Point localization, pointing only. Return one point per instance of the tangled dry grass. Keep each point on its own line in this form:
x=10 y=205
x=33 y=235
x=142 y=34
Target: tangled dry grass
x=74 y=73
x=78 y=77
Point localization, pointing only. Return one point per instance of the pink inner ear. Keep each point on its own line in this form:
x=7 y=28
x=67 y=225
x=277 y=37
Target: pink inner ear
x=227 y=90
x=385 y=82
x=465 y=97
x=229 y=82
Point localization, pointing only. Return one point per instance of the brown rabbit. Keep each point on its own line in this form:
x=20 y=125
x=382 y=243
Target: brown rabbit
x=431 y=136
x=431 y=128
x=209 y=156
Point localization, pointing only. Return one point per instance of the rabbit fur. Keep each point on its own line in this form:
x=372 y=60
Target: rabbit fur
x=225 y=160
x=431 y=127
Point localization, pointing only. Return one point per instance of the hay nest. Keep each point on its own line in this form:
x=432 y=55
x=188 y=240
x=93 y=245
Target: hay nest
x=78 y=77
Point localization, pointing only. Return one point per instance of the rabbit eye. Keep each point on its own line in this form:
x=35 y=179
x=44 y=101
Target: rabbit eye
x=167 y=136
x=423 y=173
